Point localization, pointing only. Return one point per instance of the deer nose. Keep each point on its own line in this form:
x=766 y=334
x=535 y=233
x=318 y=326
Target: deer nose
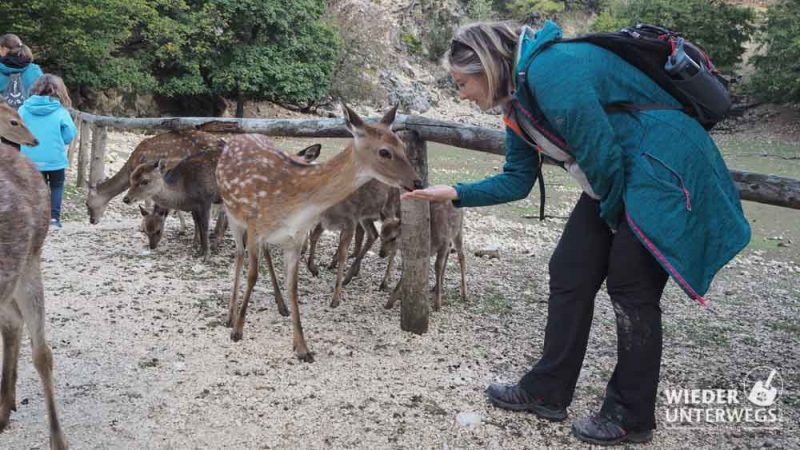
x=418 y=184
x=35 y=142
x=126 y=200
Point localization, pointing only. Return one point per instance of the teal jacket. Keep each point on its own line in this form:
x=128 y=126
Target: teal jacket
x=659 y=170
x=29 y=74
x=53 y=128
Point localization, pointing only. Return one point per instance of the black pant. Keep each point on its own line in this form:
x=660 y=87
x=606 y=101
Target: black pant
x=588 y=253
x=55 y=181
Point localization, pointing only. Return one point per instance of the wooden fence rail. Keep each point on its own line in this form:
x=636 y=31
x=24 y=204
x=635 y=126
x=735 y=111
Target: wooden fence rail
x=416 y=130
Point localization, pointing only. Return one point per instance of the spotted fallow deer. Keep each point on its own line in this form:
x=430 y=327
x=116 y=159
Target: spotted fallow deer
x=24 y=218
x=274 y=199
x=173 y=144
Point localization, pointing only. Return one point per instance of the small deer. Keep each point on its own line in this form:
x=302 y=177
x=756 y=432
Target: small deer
x=24 y=219
x=372 y=201
x=274 y=199
x=173 y=144
x=446 y=227
x=190 y=183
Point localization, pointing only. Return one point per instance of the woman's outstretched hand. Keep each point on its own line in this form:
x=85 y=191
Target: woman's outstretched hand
x=439 y=193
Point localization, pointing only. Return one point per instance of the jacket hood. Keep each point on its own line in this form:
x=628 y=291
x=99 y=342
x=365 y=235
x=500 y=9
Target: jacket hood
x=42 y=105
x=8 y=70
x=532 y=42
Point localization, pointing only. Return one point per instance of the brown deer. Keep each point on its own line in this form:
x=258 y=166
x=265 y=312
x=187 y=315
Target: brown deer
x=372 y=201
x=274 y=199
x=173 y=144
x=188 y=185
x=447 y=224
x=24 y=219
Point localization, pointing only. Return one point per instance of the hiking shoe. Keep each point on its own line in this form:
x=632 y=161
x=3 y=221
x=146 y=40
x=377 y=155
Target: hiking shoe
x=601 y=430
x=55 y=223
x=514 y=398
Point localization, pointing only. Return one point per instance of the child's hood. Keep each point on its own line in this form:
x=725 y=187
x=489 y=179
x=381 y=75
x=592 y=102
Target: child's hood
x=42 y=105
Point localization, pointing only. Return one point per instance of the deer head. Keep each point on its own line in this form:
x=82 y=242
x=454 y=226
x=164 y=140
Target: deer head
x=380 y=151
x=146 y=181
x=13 y=129
x=390 y=234
x=153 y=224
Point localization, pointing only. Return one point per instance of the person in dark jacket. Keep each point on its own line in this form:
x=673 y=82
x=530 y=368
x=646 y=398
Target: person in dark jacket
x=45 y=114
x=657 y=201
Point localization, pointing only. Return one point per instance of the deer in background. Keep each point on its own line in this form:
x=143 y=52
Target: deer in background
x=186 y=185
x=447 y=226
x=272 y=199
x=24 y=219
x=173 y=144
x=372 y=201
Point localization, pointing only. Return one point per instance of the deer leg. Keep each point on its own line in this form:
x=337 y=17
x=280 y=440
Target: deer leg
x=389 y=269
x=372 y=236
x=219 y=228
x=252 y=276
x=30 y=300
x=276 y=288
x=312 y=239
x=239 y=237
x=292 y=257
x=345 y=236
x=395 y=295
x=203 y=219
x=12 y=333
x=182 y=220
x=359 y=241
x=462 y=263
x=441 y=261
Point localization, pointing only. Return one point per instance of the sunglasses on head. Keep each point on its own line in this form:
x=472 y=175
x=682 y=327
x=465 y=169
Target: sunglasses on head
x=456 y=45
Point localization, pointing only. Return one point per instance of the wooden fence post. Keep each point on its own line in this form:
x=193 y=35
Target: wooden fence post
x=98 y=161
x=83 y=154
x=415 y=245
x=74 y=144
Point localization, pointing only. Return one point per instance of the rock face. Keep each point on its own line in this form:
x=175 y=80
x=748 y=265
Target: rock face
x=410 y=94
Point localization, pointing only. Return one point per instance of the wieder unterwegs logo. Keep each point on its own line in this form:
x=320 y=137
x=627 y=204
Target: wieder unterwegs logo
x=752 y=405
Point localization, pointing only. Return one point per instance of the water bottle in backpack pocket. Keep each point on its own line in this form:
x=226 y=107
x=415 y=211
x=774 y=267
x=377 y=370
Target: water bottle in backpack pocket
x=14 y=94
x=707 y=91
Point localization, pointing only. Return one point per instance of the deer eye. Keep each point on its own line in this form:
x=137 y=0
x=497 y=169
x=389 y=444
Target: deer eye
x=144 y=182
x=385 y=154
x=14 y=123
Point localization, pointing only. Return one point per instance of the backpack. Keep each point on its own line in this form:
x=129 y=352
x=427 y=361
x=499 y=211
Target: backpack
x=680 y=67
x=14 y=94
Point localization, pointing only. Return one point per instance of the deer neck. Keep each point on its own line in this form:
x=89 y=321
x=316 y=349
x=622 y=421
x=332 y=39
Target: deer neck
x=169 y=197
x=336 y=179
x=115 y=185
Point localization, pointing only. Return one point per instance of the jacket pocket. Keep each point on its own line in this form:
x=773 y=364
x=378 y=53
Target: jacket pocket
x=664 y=175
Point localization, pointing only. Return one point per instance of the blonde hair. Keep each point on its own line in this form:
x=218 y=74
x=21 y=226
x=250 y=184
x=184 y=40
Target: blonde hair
x=488 y=48
x=52 y=86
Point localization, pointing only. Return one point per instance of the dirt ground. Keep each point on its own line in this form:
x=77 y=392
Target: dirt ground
x=143 y=359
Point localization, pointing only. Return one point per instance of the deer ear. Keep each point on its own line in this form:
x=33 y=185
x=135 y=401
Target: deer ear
x=143 y=211
x=310 y=153
x=162 y=165
x=388 y=118
x=352 y=121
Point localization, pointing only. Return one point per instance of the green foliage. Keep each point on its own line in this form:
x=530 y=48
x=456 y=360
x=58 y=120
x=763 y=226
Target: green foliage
x=480 y=9
x=412 y=43
x=440 y=29
x=721 y=28
x=778 y=67
x=521 y=9
x=258 y=49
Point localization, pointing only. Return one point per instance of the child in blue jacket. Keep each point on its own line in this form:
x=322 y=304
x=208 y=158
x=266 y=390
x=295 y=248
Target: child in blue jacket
x=45 y=114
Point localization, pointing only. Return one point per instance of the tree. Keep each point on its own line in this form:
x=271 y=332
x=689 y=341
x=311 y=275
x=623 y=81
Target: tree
x=777 y=68
x=721 y=28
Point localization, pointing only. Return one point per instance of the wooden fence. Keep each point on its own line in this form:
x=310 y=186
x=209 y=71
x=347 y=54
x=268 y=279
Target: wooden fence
x=415 y=132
